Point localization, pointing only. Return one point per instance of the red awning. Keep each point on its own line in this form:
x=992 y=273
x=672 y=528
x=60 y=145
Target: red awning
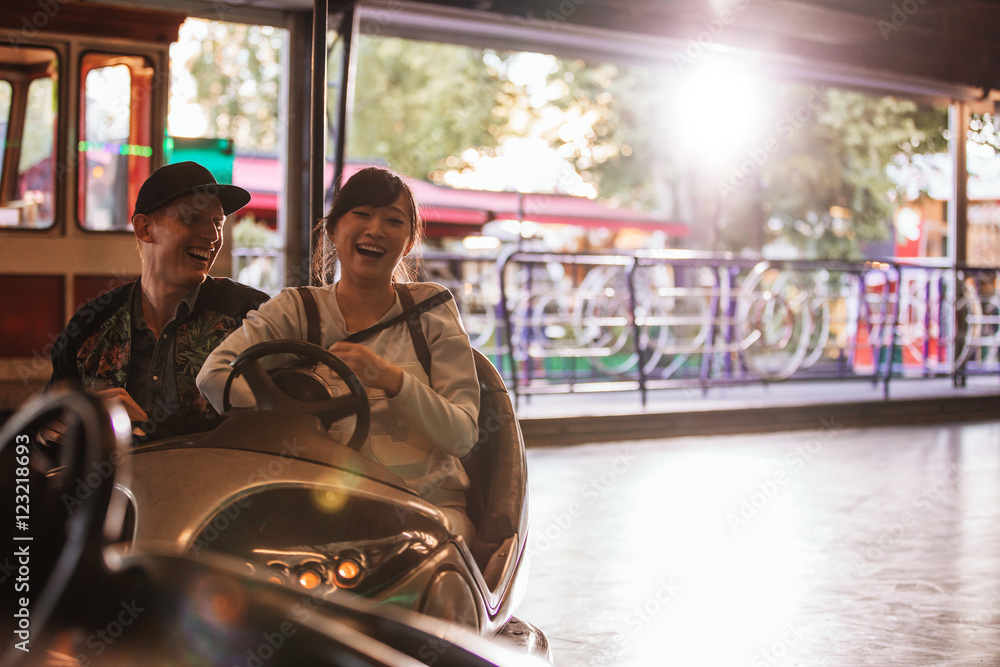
x=452 y=207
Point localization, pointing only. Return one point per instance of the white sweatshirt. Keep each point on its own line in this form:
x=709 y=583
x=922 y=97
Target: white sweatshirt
x=417 y=434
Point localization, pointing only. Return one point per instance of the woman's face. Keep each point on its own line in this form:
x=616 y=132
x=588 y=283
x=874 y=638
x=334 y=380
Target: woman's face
x=371 y=240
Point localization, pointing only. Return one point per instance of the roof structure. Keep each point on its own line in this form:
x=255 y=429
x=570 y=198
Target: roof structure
x=956 y=42
x=952 y=43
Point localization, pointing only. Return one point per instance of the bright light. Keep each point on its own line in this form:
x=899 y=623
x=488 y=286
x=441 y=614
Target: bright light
x=348 y=569
x=523 y=165
x=720 y=113
x=908 y=224
x=481 y=243
x=187 y=120
x=348 y=573
x=309 y=579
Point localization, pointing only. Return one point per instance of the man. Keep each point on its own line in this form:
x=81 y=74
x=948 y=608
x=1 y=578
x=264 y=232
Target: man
x=144 y=343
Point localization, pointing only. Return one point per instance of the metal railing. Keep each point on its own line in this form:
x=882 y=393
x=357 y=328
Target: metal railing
x=565 y=322
x=645 y=320
x=263 y=268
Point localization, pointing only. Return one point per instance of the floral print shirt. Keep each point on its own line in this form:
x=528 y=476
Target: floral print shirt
x=97 y=350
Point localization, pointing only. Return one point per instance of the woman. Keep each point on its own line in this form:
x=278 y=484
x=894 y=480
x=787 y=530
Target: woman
x=421 y=425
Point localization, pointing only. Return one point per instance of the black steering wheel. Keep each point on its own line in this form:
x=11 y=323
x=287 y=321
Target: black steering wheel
x=66 y=515
x=294 y=389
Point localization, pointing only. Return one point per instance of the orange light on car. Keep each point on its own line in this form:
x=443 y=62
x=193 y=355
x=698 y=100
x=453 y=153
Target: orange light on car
x=348 y=569
x=309 y=580
x=348 y=573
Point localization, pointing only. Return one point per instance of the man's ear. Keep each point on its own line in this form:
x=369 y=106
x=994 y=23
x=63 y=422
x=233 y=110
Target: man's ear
x=140 y=227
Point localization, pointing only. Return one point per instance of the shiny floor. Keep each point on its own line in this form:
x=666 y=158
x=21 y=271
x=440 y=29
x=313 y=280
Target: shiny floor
x=834 y=547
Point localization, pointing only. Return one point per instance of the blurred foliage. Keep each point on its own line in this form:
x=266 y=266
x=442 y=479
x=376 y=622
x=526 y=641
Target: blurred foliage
x=248 y=233
x=424 y=108
x=984 y=131
x=618 y=105
x=826 y=189
x=237 y=72
x=418 y=103
x=40 y=120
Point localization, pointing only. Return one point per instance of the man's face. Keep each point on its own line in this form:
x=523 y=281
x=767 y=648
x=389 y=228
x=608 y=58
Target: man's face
x=181 y=240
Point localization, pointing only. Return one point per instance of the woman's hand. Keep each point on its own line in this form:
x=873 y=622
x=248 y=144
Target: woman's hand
x=373 y=370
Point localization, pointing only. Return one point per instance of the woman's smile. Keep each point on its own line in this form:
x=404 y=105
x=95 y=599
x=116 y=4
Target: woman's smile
x=369 y=250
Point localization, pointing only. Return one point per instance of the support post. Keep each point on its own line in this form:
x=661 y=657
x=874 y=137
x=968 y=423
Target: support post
x=958 y=224
x=317 y=122
x=293 y=212
x=958 y=205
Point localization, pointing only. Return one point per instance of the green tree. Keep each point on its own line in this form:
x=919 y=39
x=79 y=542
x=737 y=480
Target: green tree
x=983 y=131
x=621 y=153
x=236 y=73
x=600 y=118
x=825 y=187
x=416 y=104
x=425 y=107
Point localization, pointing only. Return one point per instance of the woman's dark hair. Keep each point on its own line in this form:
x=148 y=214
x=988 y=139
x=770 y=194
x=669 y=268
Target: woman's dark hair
x=371 y=186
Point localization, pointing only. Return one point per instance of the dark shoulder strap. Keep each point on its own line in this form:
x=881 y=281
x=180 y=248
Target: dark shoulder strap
x=416 y=331
x=312 y=315
x=411 y=315
x=415 y=311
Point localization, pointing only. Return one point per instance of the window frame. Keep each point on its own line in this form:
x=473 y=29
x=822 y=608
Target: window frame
x=143 y=152
x=20 y=80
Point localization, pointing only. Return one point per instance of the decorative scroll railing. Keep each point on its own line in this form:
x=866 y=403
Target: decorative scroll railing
x=558 y=322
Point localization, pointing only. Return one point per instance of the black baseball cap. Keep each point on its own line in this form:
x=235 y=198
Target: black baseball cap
x=174 y=181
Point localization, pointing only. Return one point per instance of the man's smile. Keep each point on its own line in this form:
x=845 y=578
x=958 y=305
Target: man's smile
x=200 y=254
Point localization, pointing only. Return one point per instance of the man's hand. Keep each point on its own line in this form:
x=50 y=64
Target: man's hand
x=135 y=413
x=53 y=434
x=373 y=370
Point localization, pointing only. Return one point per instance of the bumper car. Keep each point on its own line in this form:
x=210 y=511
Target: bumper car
x=267 y=523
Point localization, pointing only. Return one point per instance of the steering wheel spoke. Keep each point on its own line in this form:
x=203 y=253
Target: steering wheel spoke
x=339 y=407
